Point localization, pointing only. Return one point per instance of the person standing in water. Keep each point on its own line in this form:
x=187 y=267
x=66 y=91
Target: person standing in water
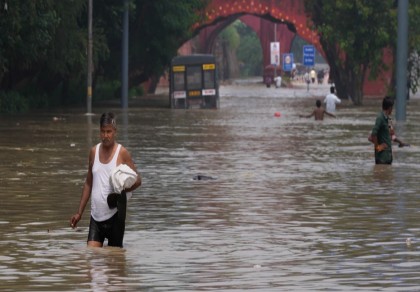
x=331 y=100
x=381 y=134
x=105 y=222
x=318 y=112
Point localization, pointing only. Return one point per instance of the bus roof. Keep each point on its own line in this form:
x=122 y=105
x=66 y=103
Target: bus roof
x=193 y=59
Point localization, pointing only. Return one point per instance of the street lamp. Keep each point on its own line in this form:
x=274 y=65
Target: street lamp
x=124 y=58
x=402 y=52
x=90 y=62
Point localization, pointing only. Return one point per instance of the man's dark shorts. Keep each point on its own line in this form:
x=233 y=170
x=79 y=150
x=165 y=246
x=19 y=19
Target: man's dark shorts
x=112 y=229
x=378 y=161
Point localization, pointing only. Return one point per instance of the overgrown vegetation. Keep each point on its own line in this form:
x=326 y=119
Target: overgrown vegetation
x=354 y=34
x=43 y=47
x=241 y=50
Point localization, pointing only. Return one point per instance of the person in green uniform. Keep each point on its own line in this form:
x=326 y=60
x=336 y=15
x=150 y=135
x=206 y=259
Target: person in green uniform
x=381 y=136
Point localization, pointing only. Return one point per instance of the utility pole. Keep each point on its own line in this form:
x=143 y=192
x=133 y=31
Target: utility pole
x=275 y=40
x=90 y=62
x=124 y=60
x=402 y=55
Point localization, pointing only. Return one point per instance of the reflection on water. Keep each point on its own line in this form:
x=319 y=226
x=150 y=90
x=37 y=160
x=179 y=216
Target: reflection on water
x=296 y=205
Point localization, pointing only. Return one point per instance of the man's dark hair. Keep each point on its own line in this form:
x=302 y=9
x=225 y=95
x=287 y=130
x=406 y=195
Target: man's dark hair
x=332 y=89
x=318 y=103
x=387 y=103
x=108 y=119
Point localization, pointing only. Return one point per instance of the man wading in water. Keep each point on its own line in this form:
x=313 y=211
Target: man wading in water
x=381 y=135
x=106 y=221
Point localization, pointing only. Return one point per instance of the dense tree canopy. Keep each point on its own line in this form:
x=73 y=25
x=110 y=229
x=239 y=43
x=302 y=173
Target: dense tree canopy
x=43 y=45
x=157 y=30
x=353 y=35
x=414 y=45
x=250 y=51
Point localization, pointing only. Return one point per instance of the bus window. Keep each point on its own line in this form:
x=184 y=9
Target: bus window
x=179 y=82
x=209 y=82
x=194 y=77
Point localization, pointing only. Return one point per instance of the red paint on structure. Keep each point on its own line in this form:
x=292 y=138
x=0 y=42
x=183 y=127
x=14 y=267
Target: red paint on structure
x=257 y=14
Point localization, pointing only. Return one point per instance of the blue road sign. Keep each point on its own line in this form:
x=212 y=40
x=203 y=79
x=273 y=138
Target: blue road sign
x=309 y=55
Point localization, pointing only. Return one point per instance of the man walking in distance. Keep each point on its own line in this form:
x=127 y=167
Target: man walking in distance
x=105 y=222
x=331 y=100
x=381 y=136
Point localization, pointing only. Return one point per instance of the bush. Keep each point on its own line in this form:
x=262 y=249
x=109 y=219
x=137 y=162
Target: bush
x=135 y=91
x=13 y=102
x=106 y=89
x=39 y=101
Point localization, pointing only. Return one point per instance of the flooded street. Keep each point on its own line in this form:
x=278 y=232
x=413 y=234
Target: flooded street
x=295 y=204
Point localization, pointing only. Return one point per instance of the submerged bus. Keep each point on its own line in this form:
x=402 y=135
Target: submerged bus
x=193 y=82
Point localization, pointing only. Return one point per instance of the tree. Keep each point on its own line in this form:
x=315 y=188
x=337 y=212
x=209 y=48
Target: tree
x=229 y=41
x=26 y=33
x=250 y=51
x=157 y=30
x=353 y=35
x=43 y=43
x=42 y=48
x=414 y=46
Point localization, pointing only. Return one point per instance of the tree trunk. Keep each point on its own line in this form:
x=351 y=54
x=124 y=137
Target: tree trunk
x=153 y=84
x=357 y=94
x=348 y=82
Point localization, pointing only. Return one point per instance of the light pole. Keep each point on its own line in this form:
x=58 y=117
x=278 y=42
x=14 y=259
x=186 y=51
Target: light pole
x=402 y=52
x=275 y=40
x=90 y=62
x=124 y=58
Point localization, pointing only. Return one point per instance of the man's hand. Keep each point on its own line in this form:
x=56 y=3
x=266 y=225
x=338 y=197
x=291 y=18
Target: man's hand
x=381 y=147
x=74 y=220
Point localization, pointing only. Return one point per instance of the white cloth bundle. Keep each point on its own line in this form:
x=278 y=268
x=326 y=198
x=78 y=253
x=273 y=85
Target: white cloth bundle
x=123 y=177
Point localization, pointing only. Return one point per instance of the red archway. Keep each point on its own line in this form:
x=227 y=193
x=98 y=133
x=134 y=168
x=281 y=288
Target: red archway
x=262 y=16
x=266 y=30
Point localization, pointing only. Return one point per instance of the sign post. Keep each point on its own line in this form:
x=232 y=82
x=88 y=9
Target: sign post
x=308 y=56
x=288 y=62
x=275 y=53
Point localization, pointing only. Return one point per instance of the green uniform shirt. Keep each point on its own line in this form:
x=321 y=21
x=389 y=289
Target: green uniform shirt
x=381 y=131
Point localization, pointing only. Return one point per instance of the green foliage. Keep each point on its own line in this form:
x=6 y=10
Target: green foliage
x=231 y=37
x=106 y=89
x=361 y=29
x=13 y=102
x=136 y=91
x=43 y=45
x=110 y=89
x=414 y=45
x=158 y=28
x=353 y=35
x=249 y=52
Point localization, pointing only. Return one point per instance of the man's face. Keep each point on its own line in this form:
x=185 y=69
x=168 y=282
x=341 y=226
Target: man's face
x=108 y=135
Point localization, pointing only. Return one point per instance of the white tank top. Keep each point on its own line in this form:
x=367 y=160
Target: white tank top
x=101 y=186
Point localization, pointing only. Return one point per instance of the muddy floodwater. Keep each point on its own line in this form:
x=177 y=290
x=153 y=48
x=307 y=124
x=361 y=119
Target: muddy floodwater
x=294 y=204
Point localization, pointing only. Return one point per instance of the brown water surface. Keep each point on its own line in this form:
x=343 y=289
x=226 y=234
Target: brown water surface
x=296 y=205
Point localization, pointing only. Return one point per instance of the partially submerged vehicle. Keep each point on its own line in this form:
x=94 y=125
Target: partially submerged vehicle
x=193 y=82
